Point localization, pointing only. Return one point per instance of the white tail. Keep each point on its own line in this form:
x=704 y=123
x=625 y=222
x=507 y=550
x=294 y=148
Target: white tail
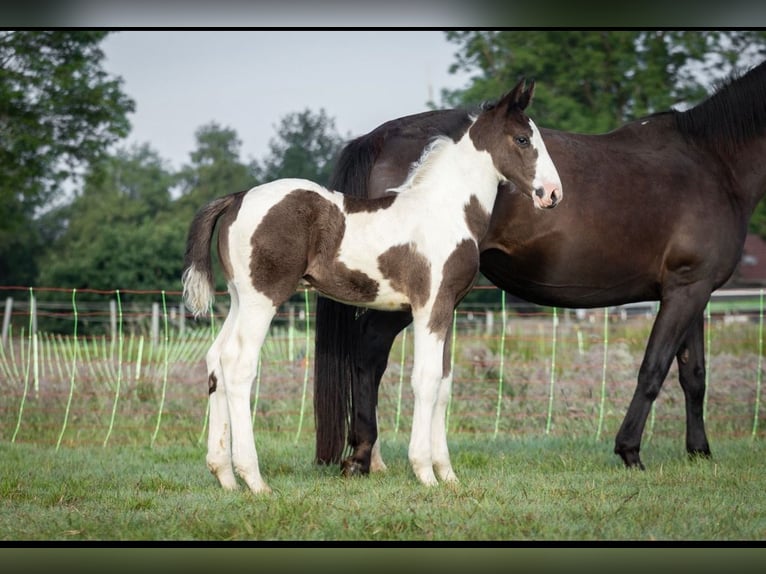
x=198 y=292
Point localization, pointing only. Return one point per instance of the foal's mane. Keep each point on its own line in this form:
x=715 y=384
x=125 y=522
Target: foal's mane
x=733 y=114
x=421 y=168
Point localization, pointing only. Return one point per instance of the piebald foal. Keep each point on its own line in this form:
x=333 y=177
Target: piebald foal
x=375 y=253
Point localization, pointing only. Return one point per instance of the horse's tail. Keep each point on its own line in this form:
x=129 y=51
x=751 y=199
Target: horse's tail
x=197 y=277
x=336 y=339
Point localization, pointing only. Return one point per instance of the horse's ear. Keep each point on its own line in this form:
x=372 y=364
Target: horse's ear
x=520 y=96
x=529 y=92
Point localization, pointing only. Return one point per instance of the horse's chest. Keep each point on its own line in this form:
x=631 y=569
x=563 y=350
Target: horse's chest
x=407 y=259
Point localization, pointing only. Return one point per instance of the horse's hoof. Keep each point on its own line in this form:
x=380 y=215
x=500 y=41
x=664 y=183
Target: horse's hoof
x=352 y=468
x=631 y=459
x=699 y=454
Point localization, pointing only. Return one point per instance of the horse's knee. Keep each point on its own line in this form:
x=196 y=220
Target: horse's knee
x=649 y=382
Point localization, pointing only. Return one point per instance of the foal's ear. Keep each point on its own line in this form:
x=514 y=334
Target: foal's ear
x=520 y=96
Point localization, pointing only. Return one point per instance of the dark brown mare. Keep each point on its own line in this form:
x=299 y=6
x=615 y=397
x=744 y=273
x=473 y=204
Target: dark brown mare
x=656 y=210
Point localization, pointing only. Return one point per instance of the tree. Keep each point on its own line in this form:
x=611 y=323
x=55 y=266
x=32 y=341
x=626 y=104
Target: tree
x=119 y=231
x=306 y=145
x=59 y=112
x=215 y=169
x=595 y=81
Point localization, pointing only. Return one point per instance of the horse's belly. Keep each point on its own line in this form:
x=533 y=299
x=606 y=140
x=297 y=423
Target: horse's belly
x=573 y=283
x=386 y=298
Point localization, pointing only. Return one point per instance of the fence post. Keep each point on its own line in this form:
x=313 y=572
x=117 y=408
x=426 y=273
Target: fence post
x=181 y=318
x=490 y=323
x=113 y=318
x=32 y=312
x=7 y=318
x=290 y=333
x=552 y=384
x=155 y=323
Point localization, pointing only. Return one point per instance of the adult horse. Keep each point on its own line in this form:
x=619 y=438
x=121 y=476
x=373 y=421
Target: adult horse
x=379 y=253
x=656 y=210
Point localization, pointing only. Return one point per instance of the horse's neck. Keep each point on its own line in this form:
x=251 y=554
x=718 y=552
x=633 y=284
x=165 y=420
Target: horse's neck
x=459 y=172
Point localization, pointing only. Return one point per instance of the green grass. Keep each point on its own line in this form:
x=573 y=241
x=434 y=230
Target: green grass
x=522 y=489
x=549 y=474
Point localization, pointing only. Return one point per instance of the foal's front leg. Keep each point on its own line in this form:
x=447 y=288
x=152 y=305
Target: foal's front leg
x=426 y=378
x=439 y=448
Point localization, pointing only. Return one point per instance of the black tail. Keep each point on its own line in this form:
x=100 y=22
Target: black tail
x=336 y=339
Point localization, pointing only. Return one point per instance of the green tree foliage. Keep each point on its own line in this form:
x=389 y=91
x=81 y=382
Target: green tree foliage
x=306 y=145
x=594 y=81
x=119 y=231
x=59 y=112
x=215 y=168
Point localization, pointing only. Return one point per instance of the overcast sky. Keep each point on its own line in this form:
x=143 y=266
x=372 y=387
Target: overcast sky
x=249 y=80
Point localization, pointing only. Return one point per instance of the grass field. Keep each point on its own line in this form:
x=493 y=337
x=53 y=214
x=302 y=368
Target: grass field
x=104 y=440
x=511 y=489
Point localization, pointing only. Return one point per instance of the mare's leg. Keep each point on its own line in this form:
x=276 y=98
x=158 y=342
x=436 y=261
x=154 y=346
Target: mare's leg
x=239 y=358
x=439 y=447
x=426 y=378
x=219 y=430
x=679 y=307
x=691 y=374
x=377 y=331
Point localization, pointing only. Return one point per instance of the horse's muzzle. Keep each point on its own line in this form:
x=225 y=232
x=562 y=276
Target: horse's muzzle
x=545 y=199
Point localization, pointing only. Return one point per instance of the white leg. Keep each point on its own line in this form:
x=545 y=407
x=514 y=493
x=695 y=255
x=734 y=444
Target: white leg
x=240 y=361
x=376 y=460
x=219 y=429
x=426 y=375
x=442 y=463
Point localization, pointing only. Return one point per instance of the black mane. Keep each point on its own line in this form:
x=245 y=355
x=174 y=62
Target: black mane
x=733 y=114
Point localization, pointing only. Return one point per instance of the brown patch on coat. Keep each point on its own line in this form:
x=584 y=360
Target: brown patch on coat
x=364 y=204
x=299 y=237
x=408 y=271
x=477 y=218
x=458 y=276
x=212 y=384
x=224 y=223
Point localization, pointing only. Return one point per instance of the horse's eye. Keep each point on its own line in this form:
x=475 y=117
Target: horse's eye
x=522 y=141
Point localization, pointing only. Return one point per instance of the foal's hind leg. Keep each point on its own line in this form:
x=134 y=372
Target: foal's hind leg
x=691 y=375
x=239 y=359
x=219 y=430
x=376 y=458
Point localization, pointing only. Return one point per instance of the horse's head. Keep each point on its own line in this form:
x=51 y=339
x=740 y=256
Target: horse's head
x=517 y=148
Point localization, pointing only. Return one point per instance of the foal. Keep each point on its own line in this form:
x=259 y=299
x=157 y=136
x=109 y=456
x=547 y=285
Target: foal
x=378 y=253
